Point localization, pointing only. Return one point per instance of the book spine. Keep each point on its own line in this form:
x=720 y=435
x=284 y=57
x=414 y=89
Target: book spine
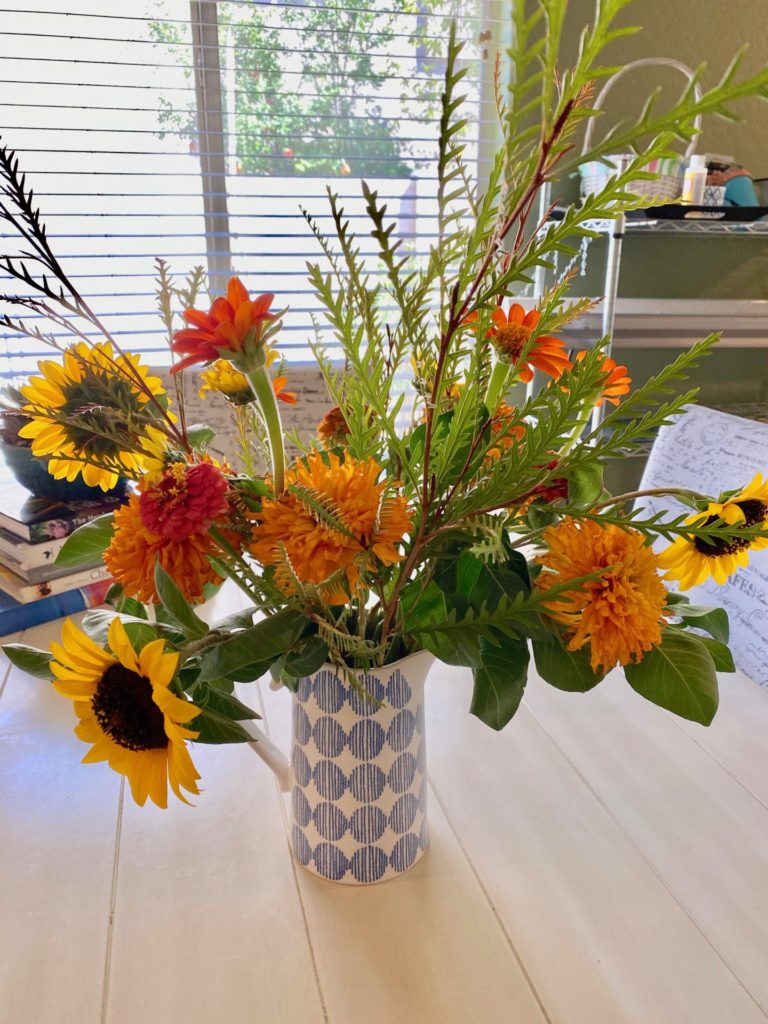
x=50 y=529
x=15 y=552
x=26 y=592
x=51 y=587
x=24 y=616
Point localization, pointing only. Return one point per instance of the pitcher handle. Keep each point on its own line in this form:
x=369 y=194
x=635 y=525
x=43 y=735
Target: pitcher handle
x=271 y=755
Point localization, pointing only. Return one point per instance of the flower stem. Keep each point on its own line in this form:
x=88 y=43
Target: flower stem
x=261 y=383
x=497 y=386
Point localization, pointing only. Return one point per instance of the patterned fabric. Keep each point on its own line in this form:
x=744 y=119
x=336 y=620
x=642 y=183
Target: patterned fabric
x=359 y=798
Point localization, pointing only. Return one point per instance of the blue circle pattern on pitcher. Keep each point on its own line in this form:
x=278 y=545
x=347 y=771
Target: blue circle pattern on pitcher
x=369 y=820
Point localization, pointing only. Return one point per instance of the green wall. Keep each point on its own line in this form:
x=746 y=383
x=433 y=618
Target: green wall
x=693 y=31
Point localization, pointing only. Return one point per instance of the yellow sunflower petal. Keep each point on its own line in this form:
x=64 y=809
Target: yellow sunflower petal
x=122 y=647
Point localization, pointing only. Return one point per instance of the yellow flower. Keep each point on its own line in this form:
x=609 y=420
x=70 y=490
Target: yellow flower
x=619 y=614
x=127 y=711
x=292 y=525
x=692 y=560
x=89 y=414
x=222 y=376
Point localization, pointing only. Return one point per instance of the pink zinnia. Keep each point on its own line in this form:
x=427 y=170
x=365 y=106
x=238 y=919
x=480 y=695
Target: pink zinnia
x=186 y=500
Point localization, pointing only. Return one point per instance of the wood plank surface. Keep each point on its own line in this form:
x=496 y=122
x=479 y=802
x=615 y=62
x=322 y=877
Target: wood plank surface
x=423 y=948
x=58 y=822
x=602 y=937
x=738 y=736
x=208 y=923
x=598 y=862
x=702 y=831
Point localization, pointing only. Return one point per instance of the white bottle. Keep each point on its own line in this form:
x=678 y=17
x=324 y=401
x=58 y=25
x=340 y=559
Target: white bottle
x=694 y=181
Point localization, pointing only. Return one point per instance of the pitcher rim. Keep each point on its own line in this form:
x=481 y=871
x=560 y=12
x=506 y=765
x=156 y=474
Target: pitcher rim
x=390 y=666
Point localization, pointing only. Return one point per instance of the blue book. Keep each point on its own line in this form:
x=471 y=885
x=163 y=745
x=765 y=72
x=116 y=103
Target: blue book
x=15 y=616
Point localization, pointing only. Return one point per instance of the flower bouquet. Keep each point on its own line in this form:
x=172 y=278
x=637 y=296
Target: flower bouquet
x=437 y=520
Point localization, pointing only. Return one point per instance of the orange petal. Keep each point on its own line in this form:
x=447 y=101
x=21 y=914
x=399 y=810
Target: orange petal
x=516 y=314
x=237 y=293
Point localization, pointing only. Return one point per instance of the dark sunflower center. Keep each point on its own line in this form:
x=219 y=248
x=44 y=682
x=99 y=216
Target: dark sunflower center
x=754 y=512
x=126 y=712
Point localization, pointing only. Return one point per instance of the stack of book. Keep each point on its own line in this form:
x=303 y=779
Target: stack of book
x=32 y=532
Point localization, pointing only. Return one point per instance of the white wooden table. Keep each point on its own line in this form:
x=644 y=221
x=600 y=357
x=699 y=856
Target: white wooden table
x=598 y=862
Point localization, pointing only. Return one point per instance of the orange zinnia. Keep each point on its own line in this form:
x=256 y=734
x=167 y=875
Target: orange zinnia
x=511 y=334
x=131 y=556
x=230 y=324
x=371 y=522
x=617 y=381
x=619 y=613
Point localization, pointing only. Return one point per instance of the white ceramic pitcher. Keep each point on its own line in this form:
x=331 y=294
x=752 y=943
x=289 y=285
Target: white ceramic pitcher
x=357 y=772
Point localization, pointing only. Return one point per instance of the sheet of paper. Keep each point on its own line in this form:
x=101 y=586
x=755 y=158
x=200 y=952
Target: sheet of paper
x=712 y=451
x=312 y=404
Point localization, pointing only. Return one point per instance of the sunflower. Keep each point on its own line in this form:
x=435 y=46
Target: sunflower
x=692 y=560
x=127 y=710
x=616 y=382
x=232 y=325
x=331 y=518
x=619 y=613
x=511 y=335
x=90 y=414
x=133 y=549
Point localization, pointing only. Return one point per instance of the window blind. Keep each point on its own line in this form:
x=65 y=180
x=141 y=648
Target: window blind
x=195 y=131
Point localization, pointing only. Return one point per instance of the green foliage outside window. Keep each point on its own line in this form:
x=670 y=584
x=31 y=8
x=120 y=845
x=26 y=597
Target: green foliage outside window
x=310 y=94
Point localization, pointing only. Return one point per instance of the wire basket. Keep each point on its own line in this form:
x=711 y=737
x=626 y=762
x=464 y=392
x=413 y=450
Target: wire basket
x=667 y=184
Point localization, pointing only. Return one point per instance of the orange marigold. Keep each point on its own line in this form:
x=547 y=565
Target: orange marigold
x=131 y=556
x=290 y=526
x=511 y=333
x=619 y=613
x=616 y=383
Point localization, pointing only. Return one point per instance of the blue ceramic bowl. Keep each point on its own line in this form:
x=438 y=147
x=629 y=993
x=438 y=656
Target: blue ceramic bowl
x=32 y=473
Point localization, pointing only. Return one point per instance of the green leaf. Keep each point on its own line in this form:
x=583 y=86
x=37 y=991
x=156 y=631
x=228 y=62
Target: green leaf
x=712 y=620
x=721 y=654
x=272 y=636
x=210 y=698
x=217 y=728
x=678 y=675
x=176 y=605
x=96 y=625
x=200 y=436
x=585 y=484
x=29 y=659
x=431 y=608
x=130 y=606
x=250 y=673
x=564 y=669
x=235 y=620
x=310 y=657
x=87 y=544
x=499 y=682
x=674 y=599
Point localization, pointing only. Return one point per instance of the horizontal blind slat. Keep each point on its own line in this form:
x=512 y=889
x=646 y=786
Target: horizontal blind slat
x=115 y=194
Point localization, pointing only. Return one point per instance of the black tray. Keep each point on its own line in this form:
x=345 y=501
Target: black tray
x=676 y=211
